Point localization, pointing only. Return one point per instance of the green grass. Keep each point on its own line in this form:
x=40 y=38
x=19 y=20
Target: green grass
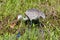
x=9 y=9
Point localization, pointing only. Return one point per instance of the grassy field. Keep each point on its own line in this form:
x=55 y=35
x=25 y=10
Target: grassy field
x=9 y=9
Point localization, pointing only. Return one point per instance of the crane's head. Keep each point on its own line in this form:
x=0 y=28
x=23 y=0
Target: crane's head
x=19 y=17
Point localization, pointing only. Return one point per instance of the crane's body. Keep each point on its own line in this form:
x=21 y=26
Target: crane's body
x=33 y=14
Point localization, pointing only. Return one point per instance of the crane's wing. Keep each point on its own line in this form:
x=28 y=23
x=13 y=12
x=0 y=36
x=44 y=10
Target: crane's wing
x=33 y=14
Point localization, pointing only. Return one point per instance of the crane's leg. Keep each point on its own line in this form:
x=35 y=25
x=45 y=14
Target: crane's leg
x=31 y=23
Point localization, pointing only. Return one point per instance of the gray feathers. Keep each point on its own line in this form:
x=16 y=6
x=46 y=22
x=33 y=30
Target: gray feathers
x=34 y=14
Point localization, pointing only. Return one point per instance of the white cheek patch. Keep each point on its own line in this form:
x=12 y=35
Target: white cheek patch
x=19 y=17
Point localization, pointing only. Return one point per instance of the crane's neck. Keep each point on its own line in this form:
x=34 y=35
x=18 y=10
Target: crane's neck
x=26 y=18
x=21 y=17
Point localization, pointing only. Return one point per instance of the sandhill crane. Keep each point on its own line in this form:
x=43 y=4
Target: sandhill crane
x=32 y=14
